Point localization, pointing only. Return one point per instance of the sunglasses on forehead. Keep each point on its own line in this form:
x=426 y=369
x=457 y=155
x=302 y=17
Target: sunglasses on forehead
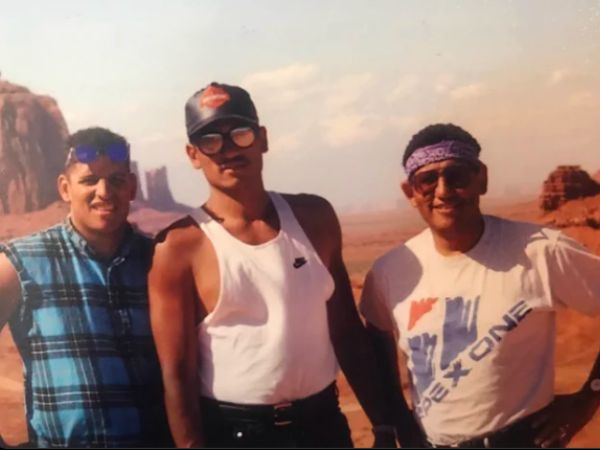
x=117 y=152
x=212 y=143
x=456 y=176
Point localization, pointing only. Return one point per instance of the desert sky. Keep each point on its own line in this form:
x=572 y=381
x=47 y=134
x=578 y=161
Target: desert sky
x=340 y=85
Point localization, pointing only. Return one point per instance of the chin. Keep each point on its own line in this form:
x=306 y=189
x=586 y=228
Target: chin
x=110 y=226
x=443 y=222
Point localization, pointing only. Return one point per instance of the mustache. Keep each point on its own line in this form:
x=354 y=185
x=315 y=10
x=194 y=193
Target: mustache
x=237 y=158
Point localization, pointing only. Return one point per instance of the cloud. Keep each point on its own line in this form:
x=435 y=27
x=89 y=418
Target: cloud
x=467 y=91
x=281 y=87
x=562 y=75
x=583 y=99
x=351 y=128
x=283 y=77
x=404 y=87
x=347 y=90
x=407 y=123
x=286 y=142
x=443 y=82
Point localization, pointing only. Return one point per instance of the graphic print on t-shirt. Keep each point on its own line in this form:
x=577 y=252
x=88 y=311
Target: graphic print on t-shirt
x=461 y=345
x=459 y=330
x=418 y=308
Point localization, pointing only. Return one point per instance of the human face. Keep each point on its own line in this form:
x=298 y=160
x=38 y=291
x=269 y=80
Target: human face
x=233 y=163
x=446 y=194
x=99 y=194
x=212 y=143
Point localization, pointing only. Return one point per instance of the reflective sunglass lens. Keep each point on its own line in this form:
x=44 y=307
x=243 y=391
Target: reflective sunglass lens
x=210 y=144
x=242 y=136
x=85 y=153
x=458 y=176
x=117 y=152
x=425 y=181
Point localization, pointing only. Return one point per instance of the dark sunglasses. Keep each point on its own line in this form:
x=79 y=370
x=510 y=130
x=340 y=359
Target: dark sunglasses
x=212 y=143
x=86 y=154
x=457 y=176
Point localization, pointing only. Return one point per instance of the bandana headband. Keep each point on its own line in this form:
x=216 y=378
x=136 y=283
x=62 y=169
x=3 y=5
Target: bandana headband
x=439 y=152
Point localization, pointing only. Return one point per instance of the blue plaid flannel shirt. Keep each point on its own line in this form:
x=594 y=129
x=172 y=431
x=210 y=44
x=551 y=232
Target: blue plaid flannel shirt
x=92 y=377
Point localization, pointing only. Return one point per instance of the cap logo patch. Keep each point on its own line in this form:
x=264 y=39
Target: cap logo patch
x=213 y=97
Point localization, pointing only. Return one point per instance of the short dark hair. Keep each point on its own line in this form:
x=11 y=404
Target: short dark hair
x=95 y=137
x=432 y=134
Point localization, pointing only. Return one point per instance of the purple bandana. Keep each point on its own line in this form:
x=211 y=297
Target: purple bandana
x=439 y=152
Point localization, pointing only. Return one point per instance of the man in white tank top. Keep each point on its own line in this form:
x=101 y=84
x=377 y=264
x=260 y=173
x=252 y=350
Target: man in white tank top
x=251 y=306
x=472 y=303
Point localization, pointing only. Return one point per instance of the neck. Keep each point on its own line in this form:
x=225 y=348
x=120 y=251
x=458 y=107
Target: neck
x=105 y=245
x=459 y=239
x=248 y=204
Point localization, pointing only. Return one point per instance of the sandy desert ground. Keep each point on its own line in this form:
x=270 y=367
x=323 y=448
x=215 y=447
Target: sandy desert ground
x=366 y=236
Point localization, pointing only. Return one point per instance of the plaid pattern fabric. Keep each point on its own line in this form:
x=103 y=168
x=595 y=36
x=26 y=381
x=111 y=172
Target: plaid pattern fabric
x=92 y=377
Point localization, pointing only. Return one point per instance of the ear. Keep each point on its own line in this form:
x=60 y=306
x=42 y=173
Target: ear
x=262 y=133
x=63 y=186
x=408 y=192
x=194 y=155
x=482 y=179
x=134 y=186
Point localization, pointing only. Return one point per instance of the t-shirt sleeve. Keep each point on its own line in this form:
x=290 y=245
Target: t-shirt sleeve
x=373 y=305
x=574 y=276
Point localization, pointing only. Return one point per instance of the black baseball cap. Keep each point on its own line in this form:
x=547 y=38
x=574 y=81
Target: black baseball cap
x=218 y=101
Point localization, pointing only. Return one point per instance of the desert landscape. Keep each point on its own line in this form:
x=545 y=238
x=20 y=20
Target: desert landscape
x=569 y=199
x=366 y=236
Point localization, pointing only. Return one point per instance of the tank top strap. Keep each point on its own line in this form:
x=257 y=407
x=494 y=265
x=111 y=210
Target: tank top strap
x=210 y=226
x=287 y=219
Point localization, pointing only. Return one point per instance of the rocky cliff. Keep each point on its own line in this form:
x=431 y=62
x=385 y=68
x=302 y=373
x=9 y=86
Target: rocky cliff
x=33 y=138
x=157 y=187
x=566 y=183
x=158 y=192
x=139 y=196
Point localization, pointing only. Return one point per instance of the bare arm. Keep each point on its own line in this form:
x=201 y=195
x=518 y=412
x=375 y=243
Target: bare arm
x=10 y=289
x=173 y=319
x=573 y=275
x=351 y=341
x=10 y=295
x=407 y=429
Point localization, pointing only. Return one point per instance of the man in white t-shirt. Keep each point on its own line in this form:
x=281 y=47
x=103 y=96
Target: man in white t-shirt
x=472 y=303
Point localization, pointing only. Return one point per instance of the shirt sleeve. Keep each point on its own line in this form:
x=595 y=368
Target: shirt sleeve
x=574 y=276
x=373 y=305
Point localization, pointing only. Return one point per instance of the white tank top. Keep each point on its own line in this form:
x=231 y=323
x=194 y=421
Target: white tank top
x=267 y=339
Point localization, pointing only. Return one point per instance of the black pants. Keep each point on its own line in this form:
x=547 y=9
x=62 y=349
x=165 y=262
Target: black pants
x=517 y=435
x=316 y=421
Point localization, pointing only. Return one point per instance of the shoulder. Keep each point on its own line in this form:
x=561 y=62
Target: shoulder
x=310 y=208
x=400 y=259
x=308 y=202
x=522 y=234
x=179 y=238
x=33 y=242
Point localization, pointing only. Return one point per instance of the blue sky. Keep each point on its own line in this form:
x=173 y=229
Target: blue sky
x=340 y=85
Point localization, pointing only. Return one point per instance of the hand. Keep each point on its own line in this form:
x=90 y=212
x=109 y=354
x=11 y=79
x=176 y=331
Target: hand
x=563 y=418
x=384 y=440
x=3 y=444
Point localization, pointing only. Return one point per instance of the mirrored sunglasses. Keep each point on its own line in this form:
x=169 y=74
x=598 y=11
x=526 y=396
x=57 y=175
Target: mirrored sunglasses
x=457 y=176
x=212 y=143
x=87 y=154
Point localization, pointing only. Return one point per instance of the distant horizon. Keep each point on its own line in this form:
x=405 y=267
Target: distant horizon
x=340 y=91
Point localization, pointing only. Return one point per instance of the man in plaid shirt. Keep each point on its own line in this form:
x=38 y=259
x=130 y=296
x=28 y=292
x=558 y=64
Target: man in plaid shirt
x=75 y=296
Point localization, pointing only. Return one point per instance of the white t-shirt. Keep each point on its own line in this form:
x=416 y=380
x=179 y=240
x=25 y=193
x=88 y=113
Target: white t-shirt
x=479 y=328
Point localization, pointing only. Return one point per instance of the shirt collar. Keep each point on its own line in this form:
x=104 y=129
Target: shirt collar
x=81 y=243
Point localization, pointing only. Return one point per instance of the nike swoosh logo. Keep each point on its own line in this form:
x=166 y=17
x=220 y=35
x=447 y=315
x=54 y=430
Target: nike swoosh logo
x=299 y=262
